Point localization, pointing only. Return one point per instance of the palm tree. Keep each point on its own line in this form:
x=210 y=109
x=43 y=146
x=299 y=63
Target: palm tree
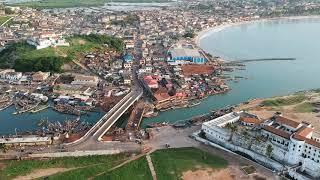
x=245 y=133
x=257 y=140
x=269 y=150
x=233 y=128
x=202 y=134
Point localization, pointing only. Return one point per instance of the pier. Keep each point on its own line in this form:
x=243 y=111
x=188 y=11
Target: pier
x=262 y=59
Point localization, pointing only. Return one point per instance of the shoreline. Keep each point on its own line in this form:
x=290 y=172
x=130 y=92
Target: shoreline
x=205 y=32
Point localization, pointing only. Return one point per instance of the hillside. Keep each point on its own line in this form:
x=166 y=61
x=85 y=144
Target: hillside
x=25 y=58
x=48 y=4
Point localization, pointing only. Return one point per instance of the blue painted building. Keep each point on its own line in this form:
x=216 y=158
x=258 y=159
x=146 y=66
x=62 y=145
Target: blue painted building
x=127 y=58
x=185 y=56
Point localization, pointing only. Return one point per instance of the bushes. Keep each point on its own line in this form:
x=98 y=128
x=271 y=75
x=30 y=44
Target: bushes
x=25 y=58
x=46 y=64
x=112 y=42
x=284 y=101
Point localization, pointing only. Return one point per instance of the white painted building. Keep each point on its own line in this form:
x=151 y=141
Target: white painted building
x=41 y=43
x=294 y=144
x=13 y=76
x=26 y=141
x=127 y=65
x=215 y=130
x=85 y=80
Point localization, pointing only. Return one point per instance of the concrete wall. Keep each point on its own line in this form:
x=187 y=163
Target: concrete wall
x=261 y=159
x=311 y=167
x=76 y=153
x=295 y=175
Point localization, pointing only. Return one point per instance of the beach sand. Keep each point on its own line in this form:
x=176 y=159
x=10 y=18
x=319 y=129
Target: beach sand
x=206 y=32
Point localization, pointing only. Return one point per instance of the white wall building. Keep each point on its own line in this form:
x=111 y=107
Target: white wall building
x=294 y=144
x=85 y=80
x=12 y=76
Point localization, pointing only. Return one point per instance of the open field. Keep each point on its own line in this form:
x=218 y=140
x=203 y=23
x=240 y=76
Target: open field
x=302 y=106
x=171 y=163
x=284 y=101
x=191 y=69
x=15 y=168
x=4 y=19
x=136 y=170
x=48 y=4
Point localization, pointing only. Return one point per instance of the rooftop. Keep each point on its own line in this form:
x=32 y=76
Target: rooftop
x=250 y=120
x=288 y=122
x=277 y=132
x=184 y=52
x=223 y=120
x=85 y=78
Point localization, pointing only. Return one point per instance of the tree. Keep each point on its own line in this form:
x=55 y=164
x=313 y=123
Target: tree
x=189 y=34
x=233 y=128
x=202 y=134
x=3 y=148
x=245 y=133
x=8 y=11
x=269 y=150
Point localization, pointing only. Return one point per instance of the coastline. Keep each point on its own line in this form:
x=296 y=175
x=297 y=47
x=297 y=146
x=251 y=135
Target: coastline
x=205 y=32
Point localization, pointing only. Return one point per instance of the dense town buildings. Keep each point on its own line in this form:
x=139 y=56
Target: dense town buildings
x=159 y=48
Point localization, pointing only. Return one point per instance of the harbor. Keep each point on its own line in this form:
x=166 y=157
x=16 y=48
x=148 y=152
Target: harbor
x=28 y=122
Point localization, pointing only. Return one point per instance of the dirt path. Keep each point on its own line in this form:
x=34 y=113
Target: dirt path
x=236 y=161
x=38 y=173
x=41 y=173
x=118 y=166
x=208 y=174
x=151 y=167
x=230 y=173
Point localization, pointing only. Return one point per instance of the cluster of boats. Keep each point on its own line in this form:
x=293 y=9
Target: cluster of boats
x=68 y=126
x=5 y=102
x=73 y=110
x=23 y=106
x=24 y=102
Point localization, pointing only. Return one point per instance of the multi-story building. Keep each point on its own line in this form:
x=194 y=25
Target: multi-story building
x=183 y=55
x=85 y=80
x=296 y=145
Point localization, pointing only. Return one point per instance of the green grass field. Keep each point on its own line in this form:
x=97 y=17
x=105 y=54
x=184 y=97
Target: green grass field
x=18 y=168
x=4 y=19
x=47 y=4
x=285 y=101
x=305 y=107
x=171 y=163
x=136 y=170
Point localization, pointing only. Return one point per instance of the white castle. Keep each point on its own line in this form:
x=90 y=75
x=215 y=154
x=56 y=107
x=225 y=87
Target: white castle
x=294 y=146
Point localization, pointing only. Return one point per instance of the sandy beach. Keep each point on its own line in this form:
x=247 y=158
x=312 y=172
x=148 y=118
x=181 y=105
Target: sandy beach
x=206 y=32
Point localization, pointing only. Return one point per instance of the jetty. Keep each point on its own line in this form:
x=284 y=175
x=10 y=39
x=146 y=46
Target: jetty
x=26 y=108
x=39 y=108
x=5 y=106
x=262 y=59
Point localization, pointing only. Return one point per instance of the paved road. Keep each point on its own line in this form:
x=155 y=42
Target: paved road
x=92 y=138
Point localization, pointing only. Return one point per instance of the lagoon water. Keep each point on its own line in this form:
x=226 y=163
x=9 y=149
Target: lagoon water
x=28 y=121
x=284 y=38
